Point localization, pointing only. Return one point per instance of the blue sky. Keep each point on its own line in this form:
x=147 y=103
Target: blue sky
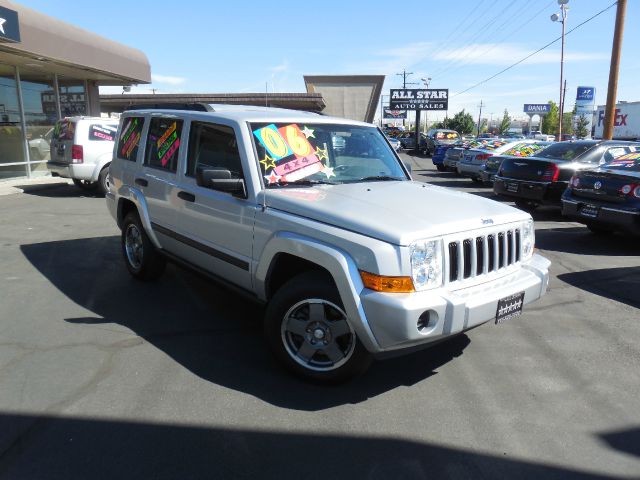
x=218 y=47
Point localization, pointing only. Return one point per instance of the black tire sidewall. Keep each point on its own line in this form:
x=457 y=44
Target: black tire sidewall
x=305 y=286
x=153 y=263
x=102 y=180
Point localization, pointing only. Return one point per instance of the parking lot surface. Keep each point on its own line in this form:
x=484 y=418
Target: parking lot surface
x=102 y=376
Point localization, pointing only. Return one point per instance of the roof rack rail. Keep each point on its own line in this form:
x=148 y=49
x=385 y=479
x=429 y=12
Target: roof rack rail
x=195 y=107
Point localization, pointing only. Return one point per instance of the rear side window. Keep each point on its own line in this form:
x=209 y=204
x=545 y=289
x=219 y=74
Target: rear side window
x=102 y=133
x=163 y=143
x=130 y=138
x=565 y=150
x=64 y=130
x=213 y=146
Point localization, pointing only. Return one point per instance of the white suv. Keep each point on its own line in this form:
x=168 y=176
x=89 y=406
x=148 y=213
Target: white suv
x=352 y=258
x=81 y=149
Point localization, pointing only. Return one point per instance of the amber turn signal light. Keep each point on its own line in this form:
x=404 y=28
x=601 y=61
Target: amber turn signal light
x=380 y=283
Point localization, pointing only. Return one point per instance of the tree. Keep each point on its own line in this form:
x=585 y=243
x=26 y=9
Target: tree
x=506 y=122
x=550 y=120
x=581 y=126
x=484 y=127
x=461 y=122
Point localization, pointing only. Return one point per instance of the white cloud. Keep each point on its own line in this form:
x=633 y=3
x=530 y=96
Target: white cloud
x=167 y=79
x=283 y=67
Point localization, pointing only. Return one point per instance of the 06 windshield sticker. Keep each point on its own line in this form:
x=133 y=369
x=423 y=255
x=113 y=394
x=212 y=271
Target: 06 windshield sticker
x=524 y=150
x=131 y=137
x=167 y=144
x=289 y=155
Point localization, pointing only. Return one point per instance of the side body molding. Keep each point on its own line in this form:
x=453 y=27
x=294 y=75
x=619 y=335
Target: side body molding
x=339 y=264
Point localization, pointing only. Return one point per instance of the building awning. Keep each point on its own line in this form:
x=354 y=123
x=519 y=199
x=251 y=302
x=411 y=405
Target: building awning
x=312 y=102
x=59 y=47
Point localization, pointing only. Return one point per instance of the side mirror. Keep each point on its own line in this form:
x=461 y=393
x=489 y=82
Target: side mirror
x=220 y=179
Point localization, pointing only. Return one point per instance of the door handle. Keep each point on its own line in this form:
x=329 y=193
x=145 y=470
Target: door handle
x=186 y=196
x=142 y=182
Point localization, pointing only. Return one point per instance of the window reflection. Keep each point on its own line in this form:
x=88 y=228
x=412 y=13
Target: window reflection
x=11 y=140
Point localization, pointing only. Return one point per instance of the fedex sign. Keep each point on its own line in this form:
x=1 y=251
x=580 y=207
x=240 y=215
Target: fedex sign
x=626 y=121
x=620 y=119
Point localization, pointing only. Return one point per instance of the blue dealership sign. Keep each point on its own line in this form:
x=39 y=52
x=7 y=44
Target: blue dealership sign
x=537 y=108
x=9 y=26
x=586 y=93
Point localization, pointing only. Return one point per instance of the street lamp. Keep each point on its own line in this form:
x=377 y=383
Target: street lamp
x=562 y=17
x=426 y=118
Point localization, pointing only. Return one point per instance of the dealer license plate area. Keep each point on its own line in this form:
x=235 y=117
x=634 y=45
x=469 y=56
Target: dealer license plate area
x=509 y=307
x=589 y=211
x=512 y=187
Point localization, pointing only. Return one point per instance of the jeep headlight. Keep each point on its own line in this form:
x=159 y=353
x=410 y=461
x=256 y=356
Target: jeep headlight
x=426 y=264
x=528 y=239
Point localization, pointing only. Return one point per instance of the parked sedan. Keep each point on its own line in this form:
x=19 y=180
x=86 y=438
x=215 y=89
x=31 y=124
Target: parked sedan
x=607 y=198
x=542 y=179
x=474 y=158
x=453 y=155
x=523 y=149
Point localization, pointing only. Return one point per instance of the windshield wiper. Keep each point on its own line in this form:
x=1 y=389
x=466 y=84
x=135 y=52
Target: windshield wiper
x=306 y=182
x=380 y=178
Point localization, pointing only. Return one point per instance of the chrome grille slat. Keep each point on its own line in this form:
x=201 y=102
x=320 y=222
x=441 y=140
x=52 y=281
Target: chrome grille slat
x=480 y=255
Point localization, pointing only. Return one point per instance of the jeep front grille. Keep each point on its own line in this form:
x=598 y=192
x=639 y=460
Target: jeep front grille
x=479 y=255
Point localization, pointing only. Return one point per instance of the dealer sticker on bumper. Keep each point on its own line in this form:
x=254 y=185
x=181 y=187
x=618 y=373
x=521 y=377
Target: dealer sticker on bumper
x=509 y=307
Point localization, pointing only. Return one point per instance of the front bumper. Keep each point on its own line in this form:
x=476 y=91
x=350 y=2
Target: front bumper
x=407 y=320
x=614 y=217
x=540 y=192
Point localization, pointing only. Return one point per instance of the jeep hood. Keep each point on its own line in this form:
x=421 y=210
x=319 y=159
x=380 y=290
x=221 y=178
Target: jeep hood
x=395 y=212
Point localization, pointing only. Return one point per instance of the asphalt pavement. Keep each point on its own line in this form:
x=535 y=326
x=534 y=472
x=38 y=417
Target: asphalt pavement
x=102 y=376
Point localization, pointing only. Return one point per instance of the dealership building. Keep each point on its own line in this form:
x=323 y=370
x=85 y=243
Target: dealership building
x=50 y=69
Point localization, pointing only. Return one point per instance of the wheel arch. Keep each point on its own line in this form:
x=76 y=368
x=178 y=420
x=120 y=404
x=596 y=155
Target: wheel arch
x=132 y=200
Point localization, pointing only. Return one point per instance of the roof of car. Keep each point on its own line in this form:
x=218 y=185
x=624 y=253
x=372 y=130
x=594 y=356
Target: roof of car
x=241 y=113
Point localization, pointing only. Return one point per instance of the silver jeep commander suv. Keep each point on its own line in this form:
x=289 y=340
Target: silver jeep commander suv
x=319 y=219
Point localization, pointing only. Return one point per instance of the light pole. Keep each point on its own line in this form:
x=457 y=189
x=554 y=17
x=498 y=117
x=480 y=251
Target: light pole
x=562 y=17
x=426 y=118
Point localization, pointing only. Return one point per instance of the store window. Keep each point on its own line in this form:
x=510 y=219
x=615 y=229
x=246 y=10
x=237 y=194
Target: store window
x=40 y=113
x=73 y=97
x=11 y=139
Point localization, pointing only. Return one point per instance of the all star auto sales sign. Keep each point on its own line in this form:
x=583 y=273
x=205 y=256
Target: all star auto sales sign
x=419 y=98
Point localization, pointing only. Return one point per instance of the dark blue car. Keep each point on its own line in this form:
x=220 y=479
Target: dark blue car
x=606 y=199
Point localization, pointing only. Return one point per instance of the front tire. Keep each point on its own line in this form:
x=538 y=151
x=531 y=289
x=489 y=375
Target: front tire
x=441 y=168
x=309 y=332
x=143 y=260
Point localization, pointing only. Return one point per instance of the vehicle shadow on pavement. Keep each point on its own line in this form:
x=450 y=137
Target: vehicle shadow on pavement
x=59 y=190
x=581 y=241
x=66 y=448
x=627 y=441
x=620 y=284
x=214 y=333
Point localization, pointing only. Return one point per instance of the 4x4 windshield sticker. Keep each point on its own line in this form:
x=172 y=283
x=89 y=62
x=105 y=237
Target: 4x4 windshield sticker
x=99 y=132
x=167 y=144
x=289 y=155
x=131 y=137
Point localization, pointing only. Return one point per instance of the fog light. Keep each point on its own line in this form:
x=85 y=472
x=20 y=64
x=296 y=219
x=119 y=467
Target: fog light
x=427 y=320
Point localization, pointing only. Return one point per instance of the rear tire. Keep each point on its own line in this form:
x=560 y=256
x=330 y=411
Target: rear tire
x=103 y=180
x=85 y=185
x=309 y=333
x=441 y=168
x=143 y=260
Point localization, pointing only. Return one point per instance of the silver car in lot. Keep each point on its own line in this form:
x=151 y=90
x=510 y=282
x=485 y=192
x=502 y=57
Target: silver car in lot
x=472 y=161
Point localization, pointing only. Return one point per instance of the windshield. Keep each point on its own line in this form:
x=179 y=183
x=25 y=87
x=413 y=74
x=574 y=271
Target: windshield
x=565 y=151
x=526 y=149
x=628 y=162
x=307 y=154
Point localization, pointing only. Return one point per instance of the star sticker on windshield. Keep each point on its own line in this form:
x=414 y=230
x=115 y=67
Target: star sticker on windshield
x=273 y=177
x=2 y=22
x=328 y=171
x=308 y=132
x=268 y=162
x=321 y=153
